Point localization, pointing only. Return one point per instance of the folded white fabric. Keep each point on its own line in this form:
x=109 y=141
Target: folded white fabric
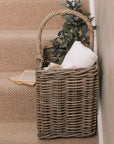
x=79 y=56
x=53 y=66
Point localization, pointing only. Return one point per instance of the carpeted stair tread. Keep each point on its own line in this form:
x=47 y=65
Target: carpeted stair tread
x=17 y=102
x=18 y=48
x=28 y=14
x=26 y=133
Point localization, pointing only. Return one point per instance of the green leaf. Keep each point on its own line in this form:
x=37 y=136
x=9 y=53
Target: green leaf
x=61 y=59
x=54 y=40
x=47 y=61
x=63 y=44
x=87 y=14
x=75 y=30
x=75 y=38
x=63 y=4
x=84 y=29
x=80 y=5
x=91 y=19
x=94 y=27
x=69 y=34
x=76 y=35
x=65 y=27
x=67 y=17
x=80 y=11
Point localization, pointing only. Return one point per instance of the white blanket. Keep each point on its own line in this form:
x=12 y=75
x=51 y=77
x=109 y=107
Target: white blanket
x=79 y=56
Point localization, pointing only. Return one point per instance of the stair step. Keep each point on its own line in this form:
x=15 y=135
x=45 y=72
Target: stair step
x=26 y=133
x=18 y=48
x=28 y=14
x=17 y=102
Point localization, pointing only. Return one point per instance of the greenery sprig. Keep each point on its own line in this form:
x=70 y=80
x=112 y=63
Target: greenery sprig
x=74 y=29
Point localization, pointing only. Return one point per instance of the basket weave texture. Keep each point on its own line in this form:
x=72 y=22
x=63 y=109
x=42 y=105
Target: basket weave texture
x=66 y=99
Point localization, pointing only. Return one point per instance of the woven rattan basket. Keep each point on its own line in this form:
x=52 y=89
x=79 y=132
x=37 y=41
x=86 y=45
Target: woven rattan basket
x=66 y=99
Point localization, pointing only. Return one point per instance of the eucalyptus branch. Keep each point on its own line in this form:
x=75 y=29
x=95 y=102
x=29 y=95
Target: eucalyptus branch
x=74 y=29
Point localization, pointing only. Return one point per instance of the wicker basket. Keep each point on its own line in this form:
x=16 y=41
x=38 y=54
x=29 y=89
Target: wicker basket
x=66 y=99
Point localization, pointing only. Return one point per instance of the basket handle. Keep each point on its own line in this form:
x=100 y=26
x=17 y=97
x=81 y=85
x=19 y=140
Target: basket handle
x=61 y=12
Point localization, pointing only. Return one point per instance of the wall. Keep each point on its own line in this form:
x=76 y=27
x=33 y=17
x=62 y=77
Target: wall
x=104 y=10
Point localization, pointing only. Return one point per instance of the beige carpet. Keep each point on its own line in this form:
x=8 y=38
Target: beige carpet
x=17 y=102
x=27 y=14
x=26 y=133
x=18 y=48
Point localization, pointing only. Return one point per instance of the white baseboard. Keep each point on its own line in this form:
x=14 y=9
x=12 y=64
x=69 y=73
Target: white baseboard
x=100 y=128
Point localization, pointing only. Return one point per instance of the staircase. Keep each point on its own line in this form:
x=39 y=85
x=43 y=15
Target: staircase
x=19 y=21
